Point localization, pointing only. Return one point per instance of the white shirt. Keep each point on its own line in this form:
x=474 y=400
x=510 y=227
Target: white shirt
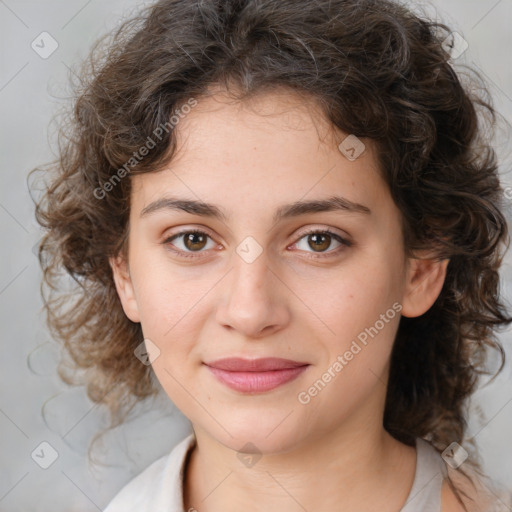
x=159 y=488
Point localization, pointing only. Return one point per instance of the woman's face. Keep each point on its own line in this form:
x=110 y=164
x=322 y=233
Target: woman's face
x=254 y=284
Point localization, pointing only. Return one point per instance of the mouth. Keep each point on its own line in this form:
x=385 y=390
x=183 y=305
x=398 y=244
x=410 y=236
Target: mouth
x=255 y=375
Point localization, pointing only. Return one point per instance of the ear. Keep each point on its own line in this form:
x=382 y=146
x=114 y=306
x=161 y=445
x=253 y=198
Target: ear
x=124 y=287
x=424 y=282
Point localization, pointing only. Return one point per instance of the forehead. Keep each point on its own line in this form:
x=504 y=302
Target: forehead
x=272 y=149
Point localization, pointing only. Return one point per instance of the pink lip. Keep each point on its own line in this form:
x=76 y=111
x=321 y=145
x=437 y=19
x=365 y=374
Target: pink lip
x=256 y=375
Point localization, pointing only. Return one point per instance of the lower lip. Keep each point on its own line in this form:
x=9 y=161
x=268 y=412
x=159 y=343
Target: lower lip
x=255 y=382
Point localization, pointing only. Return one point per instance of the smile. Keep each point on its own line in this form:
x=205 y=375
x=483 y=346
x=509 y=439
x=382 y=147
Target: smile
x=255 y=376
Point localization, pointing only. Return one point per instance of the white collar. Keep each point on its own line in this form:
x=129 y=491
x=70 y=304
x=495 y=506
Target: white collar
x=159 y=488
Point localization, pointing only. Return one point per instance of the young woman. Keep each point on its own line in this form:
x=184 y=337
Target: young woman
x=289 y=213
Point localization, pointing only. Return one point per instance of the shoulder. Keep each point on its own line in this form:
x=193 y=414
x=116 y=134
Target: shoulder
x=137 y=491
x=158 y=487
x=478 y=494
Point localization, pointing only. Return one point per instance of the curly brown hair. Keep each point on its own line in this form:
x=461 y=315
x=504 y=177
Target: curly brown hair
x=378 y=71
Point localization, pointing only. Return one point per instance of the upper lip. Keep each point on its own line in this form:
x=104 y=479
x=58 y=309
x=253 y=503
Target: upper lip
x=236 y=364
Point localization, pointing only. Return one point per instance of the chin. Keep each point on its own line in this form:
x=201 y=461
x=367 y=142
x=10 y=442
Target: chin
x=254 y=435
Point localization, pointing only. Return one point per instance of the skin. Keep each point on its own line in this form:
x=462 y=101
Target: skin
x=248 y=159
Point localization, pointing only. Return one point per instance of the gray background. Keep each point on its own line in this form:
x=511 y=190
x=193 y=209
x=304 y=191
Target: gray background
x=31 y=91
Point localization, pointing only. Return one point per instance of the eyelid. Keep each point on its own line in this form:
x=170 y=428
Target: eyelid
x=322 y=228
x=191 y=229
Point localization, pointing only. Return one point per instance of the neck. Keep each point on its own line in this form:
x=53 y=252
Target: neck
x=351 y=469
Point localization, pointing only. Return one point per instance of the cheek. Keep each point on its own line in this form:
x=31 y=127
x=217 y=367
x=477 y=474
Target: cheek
x=165 y=293
x=179 y=384
x=357 y=359
x=170 y=314
x=173 y=311
x=354 y=297
x=171 y=317
x=361 y=317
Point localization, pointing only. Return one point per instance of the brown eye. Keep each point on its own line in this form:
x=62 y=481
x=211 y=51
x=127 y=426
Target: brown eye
x=191 y=242
x=317 y=242
x=194 y=241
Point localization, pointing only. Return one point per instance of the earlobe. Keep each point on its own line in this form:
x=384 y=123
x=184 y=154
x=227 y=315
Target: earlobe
x=124 y=287
x=424 y=282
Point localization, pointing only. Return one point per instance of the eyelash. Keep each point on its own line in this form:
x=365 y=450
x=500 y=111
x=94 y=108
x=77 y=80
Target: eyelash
x=315 y=256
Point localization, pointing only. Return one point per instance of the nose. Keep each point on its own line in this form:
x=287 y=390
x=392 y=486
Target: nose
x=253 y=300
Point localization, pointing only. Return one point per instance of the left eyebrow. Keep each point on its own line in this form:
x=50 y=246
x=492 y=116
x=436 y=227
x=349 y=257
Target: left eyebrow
x=333 y=203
